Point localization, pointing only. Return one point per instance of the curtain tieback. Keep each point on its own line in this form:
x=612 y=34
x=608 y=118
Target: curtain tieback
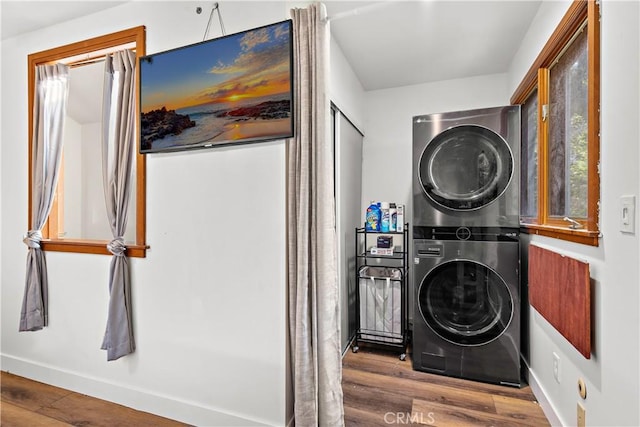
x=33 y=239
x=117 y=246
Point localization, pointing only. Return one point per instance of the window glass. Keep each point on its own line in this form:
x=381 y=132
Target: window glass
x=82 y=212
x=568 y=149
x=529 y=166
x=561 y=149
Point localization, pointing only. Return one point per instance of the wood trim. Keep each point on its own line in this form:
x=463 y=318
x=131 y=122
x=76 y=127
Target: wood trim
x=543 y=145
x=31 y=77
x=90 y=45
x=141 y=159
x=137 y=35
x=97 y=247
x=570 y=23
x=593 y=120
x=584 y=237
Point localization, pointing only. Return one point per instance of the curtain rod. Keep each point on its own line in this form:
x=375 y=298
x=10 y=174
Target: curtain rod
x=89 y=61
x=91 y=57
x=85 y=62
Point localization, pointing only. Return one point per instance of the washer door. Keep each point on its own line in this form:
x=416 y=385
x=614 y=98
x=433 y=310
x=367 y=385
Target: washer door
x=465 y=167
x=465 y=302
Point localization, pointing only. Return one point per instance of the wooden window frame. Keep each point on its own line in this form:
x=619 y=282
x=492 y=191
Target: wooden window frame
x=86 y=47
x=579 y=13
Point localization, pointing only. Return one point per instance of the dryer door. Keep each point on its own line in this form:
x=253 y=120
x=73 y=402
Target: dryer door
x=465 y=302
x=465 y=167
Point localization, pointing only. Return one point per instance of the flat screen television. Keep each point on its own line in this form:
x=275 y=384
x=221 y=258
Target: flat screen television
x=233 y=89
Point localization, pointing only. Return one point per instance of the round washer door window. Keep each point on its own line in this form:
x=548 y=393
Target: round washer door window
x=465 y=302
x=465 y=167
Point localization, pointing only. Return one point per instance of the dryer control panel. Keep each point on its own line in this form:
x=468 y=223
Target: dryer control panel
x=486 y=234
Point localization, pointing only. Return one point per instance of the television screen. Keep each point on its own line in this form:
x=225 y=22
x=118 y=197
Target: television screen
x=229 y=90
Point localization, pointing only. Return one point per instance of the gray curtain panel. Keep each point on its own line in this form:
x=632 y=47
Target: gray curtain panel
x=118 y=136
x=314 y=328
x=49 y=110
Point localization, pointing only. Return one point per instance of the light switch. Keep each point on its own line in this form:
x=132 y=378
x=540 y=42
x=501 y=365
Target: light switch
x=627 y=214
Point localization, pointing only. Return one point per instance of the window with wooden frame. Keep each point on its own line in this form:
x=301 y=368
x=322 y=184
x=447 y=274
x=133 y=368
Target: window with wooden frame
x=560 y=98
x=62 y=231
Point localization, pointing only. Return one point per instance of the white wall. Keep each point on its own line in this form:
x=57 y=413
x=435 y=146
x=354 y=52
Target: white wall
x=345 y=90
x=388 y=139
x=95 y=223
x=73 y=181
x=3 y=105
x=85 y=215
x=612 y=373
x=209 y=299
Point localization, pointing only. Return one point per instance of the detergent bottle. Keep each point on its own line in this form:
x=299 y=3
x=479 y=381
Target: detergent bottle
x=372 y=217
x=385 y=219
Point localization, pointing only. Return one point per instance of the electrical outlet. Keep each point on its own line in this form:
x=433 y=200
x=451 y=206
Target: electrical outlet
x=581 y=416
x=556 y=367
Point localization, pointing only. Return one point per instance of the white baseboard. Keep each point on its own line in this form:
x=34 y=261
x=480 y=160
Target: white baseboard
x=141 y=400
x=541 y=396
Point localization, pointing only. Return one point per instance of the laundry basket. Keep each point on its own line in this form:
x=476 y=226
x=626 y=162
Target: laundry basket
x=380 y=292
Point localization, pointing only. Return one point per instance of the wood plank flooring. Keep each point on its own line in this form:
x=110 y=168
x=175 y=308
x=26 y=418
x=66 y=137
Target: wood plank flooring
x=27 y=403
x=381 y=390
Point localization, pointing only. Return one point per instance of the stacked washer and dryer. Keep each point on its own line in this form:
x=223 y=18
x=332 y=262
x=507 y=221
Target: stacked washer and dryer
x=466 y=244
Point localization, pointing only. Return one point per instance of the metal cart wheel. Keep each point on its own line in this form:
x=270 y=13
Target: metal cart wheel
x=403 y=356
x=355 y=348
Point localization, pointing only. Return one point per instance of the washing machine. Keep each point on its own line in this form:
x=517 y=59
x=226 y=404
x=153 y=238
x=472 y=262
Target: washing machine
x=467 y=304
x=466 y=168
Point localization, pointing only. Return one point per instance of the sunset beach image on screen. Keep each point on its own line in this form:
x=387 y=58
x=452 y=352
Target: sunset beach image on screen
x=232 y=89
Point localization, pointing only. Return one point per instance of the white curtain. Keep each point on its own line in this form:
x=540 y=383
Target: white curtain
x=314 y=328
x=118 y=136
x=49 y=110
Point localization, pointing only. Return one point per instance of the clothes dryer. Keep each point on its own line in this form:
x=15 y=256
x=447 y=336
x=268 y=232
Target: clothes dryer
x=466 y=168
x=467 y=304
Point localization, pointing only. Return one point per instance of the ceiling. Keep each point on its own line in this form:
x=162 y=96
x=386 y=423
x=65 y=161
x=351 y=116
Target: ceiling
x=388 y=43
x=399 y=43
x=20 y=17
